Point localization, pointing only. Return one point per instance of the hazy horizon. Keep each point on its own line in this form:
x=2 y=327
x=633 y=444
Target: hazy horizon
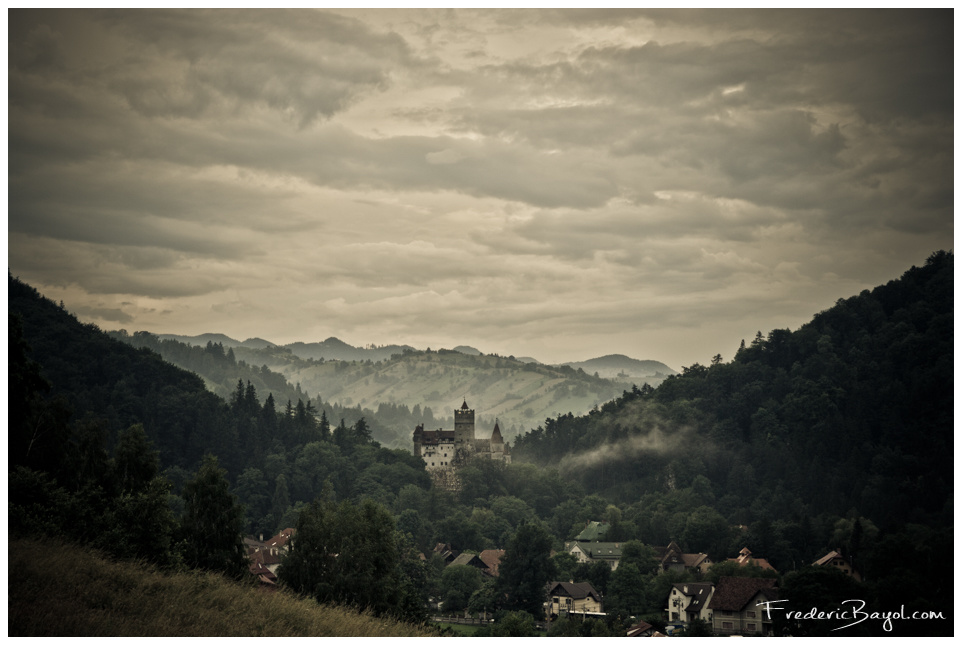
x=431 y=347
x=556 y=184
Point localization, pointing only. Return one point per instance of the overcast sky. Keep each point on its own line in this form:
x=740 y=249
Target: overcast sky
x=548 y=183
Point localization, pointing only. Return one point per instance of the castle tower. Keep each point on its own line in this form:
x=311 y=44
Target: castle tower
x=496 y=434
x=464 y=426
x=497 y=443
x=418 y=439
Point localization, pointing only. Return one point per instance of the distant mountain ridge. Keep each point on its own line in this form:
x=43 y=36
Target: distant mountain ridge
x=334 y=349
x=620 y=366
x=202 y=339
x=390 y=384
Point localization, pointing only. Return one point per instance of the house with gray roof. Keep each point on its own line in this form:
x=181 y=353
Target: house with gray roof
x=737 y=608
x=566 y=598
x=472 y=560
x=688 y=602
x=609 y=552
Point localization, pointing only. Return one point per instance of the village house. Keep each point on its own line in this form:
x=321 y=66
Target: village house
x=471 y=560
x=264 y=576
x=642 y=629
x=265 y=555
x=671 y=558
x=608 y=552
x=688 y=602
x=745 y=559
x=593 y=532
x=566 y=598
x=737 y=606
x=492 y=558
x=587 y=548
x=445 y=552
x=836 y=560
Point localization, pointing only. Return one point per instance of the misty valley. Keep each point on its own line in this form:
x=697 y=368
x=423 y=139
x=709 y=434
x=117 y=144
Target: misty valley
x=471 y=493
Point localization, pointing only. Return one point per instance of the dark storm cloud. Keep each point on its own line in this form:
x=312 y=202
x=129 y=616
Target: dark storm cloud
x=310 y=63
x=518 y=175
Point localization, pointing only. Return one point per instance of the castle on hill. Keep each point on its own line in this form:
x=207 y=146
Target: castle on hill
x=443 y=451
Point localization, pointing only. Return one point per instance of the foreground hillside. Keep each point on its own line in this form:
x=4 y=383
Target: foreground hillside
x=63 y=590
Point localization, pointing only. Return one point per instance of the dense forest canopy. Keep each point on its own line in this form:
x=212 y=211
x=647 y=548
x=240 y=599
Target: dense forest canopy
x=835 y=435
x=851 y=411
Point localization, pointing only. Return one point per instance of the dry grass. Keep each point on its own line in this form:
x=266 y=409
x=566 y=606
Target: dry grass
x=63 y=590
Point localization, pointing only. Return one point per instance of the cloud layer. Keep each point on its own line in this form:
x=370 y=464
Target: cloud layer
x=562 y=184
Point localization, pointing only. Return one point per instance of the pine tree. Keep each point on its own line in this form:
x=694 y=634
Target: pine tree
x=362 y=432
x=268 y=424
x=325 y=427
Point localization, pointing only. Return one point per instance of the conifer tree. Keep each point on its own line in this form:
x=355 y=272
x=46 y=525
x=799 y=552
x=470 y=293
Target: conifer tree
x=325 y=427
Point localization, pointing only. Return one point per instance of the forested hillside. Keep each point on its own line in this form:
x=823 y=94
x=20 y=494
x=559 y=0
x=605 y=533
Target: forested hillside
x=75 y=391
x=851 y=411
x=231 y=379
x=97 y=386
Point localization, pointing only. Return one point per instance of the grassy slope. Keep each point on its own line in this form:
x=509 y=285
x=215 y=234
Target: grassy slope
x=64 y=590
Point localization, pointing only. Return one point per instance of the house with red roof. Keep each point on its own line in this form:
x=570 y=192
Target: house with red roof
x=671 y=558
x=641 y=628
x=492 y=558
x=746 y=558
x=265 y=555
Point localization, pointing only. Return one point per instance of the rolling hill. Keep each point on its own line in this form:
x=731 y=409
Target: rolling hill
x=518 y=393
x=621 y=367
